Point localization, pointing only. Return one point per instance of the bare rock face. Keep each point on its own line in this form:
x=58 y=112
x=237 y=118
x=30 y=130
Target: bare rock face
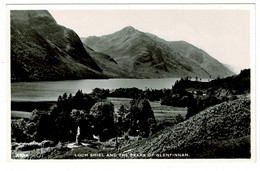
x=43 y=50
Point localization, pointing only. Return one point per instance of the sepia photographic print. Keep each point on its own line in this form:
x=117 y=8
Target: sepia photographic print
x=132 y=82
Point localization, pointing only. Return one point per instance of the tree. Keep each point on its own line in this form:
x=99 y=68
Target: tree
x=18 y=130
x=140 y=120
x=78 y=100
x=100 y=93
x=45 y=128
x=104 y=126
x=121 y=119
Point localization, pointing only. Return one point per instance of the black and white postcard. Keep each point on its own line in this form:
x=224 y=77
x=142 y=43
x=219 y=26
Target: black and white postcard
x=129 y=81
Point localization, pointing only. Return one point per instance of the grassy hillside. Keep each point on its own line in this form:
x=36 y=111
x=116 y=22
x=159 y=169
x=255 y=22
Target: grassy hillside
x=221 y=131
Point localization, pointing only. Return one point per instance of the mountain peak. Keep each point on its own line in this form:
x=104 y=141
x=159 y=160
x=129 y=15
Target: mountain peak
x=129 y=29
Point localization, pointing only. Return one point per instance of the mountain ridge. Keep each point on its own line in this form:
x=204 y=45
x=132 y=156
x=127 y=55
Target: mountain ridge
x=147 y=54
x=41 y=49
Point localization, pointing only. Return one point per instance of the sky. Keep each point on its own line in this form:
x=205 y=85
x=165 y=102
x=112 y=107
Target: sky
x=224 y=34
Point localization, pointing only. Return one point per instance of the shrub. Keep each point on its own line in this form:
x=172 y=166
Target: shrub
x=17 y=131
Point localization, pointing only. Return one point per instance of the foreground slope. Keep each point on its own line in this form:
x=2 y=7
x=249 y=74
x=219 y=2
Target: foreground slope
x=43 y=50
x=149 y=56
x=221 y=131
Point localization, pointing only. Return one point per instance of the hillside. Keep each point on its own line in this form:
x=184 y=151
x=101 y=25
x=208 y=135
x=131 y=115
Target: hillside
x=43 y=50
x=207 y=62
x=152 y=57
x=109 y=66
x=220 y=131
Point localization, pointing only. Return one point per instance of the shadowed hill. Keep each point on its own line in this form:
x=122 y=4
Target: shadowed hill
x=43 y=50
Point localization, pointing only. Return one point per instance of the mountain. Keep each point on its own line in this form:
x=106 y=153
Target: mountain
x=146 y=55
x=43 y=50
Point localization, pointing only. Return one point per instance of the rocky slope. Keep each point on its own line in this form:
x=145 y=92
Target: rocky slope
x=149 y=56
x=221 y=131
x=43 y=50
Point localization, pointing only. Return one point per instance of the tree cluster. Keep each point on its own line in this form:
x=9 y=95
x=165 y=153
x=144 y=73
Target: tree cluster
x=177 y=98
x=140 y=120
x=200 y=103
x=94 y=116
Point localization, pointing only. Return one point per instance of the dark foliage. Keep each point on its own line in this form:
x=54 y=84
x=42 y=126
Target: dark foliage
x=99 y=93
x=153 y=95
x=217 y=91
x=140 y=120
x=80 y=101
x=121 y=114
x=238 y=84
x=135 y=93
x=45 y=128
x=200 y=103
x=103 y=113
x=18 y=133
x=126 y=92
x=177 y=98
x=61 y=123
